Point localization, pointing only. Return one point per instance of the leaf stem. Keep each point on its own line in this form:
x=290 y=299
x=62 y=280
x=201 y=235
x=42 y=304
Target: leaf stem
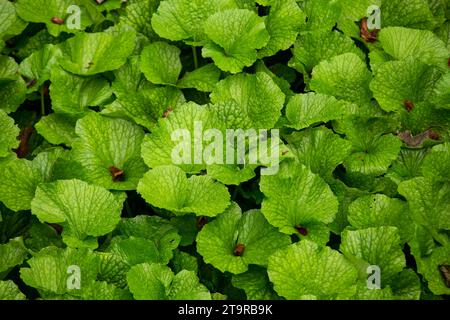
x=42 y=100
x=194 y=53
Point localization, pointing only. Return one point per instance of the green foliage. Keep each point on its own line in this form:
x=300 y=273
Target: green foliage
x=109 y=133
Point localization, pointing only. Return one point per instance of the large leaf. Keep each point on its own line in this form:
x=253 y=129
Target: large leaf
x=374 y=246
x=157 y=282
x=235 y=35
x=138 y=99
x=345 y=76
x=296 y=198
x=379 y=210
x=116 y=165
x=304 y=110
x=234 y=240
x=38 y=66
x=314 y=46
x=168 y=187
x=397 y=82
x=20 y=178
x=305 y=270
x=422 y=45
x=12 y=254
x=50 y=269
x=261 y=110
x=73 y=94
x=11 y=23
x=319 y=149
x=43 y=11
x=86 y=211
x=10 y=291
x=92 y=53
x=283 y=24
x=160 y=62
x=428 y=203
x=181 y=129
x=184 y=19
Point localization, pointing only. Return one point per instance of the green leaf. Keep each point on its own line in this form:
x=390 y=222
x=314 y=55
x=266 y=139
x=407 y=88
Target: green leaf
x=138 y=99
x=84 y=210
x=40 y=235
x=423 y=45
x=235 y=35
x=10 y=132
x=322 y=14
x=101 y=290
x=168 y=187
x=406 y=80
x=379 y=210
x=345 y=77
x=12 y=86
x=314 y=46
x=58 y=128
x=73 y=94
x=157 y=282
x=406 y=285
x=10 y=291
x=220 y=239
x=20 y=178
x=263 y=109
x=423 y=117
x=42 y=11
x=304 y=110
x=38 y=66
x=283 y=24
x=428 y=202
x=160 y=63
x=92 y=53
x=184 y=261
x=436 y=164
x=345 y=196
x=353 y=11
x=442 y=92
x=203 y=79
x=372 y=150
x=133 y=251
x=304 y=270
x=374 y=246
x=11 y=23
x=187 y=226
x=231 y=174
x=12 y=254
x=185 y=19
x=319 y=149
x=430 y=268
x=50 y=269
x=407 y=166
x=8 y=69
x=415 y=14
x=365 y=293
x=296 y=197
x=156 y=229
x=138 y=15
x=158 y=147
x=443 y=32
x=256 y=284
x=112 y=269
x=100 y=158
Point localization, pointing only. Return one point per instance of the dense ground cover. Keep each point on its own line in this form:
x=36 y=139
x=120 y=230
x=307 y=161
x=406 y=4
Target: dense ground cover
x=352 y=99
